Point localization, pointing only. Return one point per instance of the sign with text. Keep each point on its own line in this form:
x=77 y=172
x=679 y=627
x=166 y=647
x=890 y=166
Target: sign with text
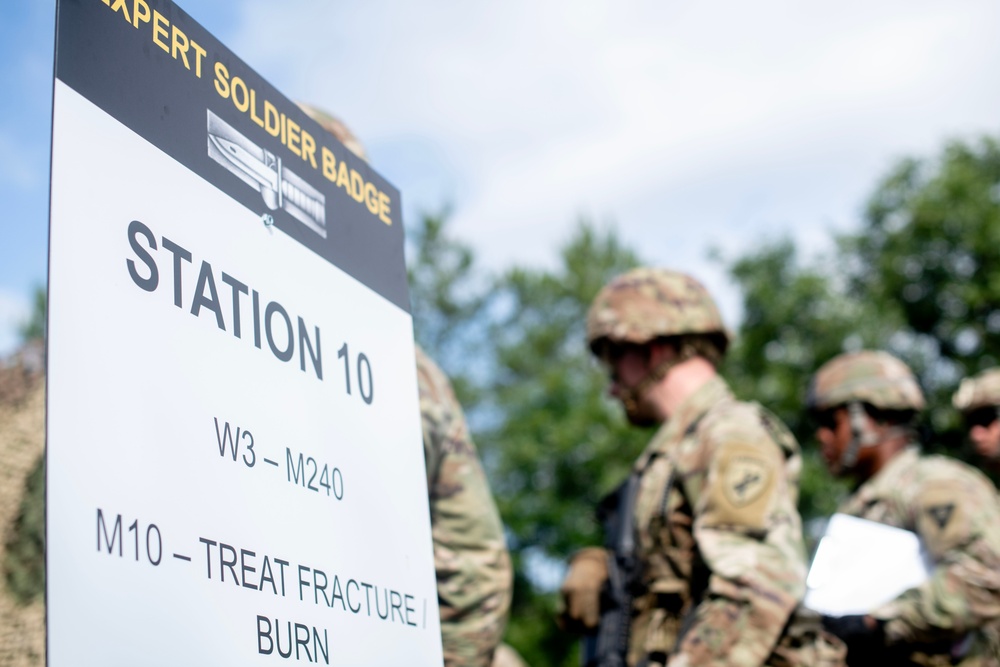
x=235 y=471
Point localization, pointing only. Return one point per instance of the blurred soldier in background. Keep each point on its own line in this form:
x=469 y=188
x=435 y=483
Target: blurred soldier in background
x=705 y=563
x=471 y=562
x=866 y=405
x=978 y=399
x=470 y=556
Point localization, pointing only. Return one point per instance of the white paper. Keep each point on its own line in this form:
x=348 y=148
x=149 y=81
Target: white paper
x=860 y=565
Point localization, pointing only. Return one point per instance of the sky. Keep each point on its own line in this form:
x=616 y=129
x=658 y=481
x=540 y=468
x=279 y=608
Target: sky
x=685 y=126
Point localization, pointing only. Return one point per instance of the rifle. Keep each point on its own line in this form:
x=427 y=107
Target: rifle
x=608 y=647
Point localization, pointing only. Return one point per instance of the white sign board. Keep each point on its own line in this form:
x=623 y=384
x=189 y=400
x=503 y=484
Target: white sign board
x=235 y=472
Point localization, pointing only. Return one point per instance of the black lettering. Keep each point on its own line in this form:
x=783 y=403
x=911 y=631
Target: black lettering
x=301 y=580
x=265 y=576
x=224 y=437
x=244 y=568
x=323 y=646
x=304 y=344
x=256 y=319
x=295 y=469
x=339 y=594
x=368 y=602
x=102 y=529
x=397 y=603
x=238 y=288
x=282 y=563
x=206 y=279
x=409 y=610
x=180 y=254
x=302 y=641
x=208 y=553
x=318 y=587
x=378 y=607
x=264 y=634
x=277 y=635
x=135 y=228
x=230 y=563
x=272 y=308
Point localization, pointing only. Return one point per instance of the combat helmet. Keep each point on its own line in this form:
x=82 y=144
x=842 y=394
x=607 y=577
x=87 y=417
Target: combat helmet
x=646 y=303
x=873 y=377
x=979 y=391
x=868 y=377
x=337 y=128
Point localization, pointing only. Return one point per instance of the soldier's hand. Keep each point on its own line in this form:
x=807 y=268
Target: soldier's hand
x=864 y=635
x=581 y=590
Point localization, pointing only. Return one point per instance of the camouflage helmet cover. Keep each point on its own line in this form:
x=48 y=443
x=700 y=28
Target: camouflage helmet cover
x=337 y=128
x=644 y=304
x=979 y=391
x=872 y=377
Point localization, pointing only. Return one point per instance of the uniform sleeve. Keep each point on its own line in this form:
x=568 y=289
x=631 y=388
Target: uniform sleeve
x=958 y=518
x=471 y=562
x=749 y=536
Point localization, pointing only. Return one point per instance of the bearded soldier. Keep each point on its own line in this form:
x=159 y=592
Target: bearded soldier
x=704 y=562
x=865 y=405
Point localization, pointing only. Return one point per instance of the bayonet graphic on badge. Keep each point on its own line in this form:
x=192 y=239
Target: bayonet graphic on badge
x=261 y=169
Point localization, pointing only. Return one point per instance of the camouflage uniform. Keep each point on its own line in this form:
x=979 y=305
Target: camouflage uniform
x=951 y=506
x=718 y=537
x=470 y=556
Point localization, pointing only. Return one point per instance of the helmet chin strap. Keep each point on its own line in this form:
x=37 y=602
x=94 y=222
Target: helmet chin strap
x=863 y=435
x=629 y=396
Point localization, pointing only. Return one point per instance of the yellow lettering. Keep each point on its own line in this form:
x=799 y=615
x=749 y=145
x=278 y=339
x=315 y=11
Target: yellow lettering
x=179 y=44
x=120 y=5
x=357 y=186
x=293 y=137
x=329 y=164
x=200 y=53
x=137 y=16
x=107 y=2
x=309 y=148
x=271 y=119
x=371 y=198
x=238 y=85
x=253 y=108
x=221 y=80
x=343 y=178
x=283 y=127
x=159 y=28
x=383 y=208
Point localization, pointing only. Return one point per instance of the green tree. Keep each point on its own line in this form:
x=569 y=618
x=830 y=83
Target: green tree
x=930 y=247
x=448 y=298
x=34 y=327
x=796 y=317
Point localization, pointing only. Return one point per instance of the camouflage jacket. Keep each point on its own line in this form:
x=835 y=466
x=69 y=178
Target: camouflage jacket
x=474 y=576
x=954 y=510
x=718 y=536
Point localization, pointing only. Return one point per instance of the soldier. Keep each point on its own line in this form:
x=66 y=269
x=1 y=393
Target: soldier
x=705 y=563
x=471 y=562
x=865 y=405
x=978 y=398
x=470 y=556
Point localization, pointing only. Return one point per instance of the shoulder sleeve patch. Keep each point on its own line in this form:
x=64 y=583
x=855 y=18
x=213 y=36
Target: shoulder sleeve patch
x=943 y=519
x=740 y=487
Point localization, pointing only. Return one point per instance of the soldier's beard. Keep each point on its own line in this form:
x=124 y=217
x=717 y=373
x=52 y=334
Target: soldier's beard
x=639 y=411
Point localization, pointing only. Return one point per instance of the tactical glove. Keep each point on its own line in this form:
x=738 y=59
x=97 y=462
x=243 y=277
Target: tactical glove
x=581 y=590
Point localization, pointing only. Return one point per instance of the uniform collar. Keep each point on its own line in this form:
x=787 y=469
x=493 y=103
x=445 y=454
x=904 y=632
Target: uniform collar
x=893 y=469
x=687 y=415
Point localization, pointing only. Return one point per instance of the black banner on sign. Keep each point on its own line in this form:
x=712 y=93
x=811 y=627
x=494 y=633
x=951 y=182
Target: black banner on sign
x=157 y=71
